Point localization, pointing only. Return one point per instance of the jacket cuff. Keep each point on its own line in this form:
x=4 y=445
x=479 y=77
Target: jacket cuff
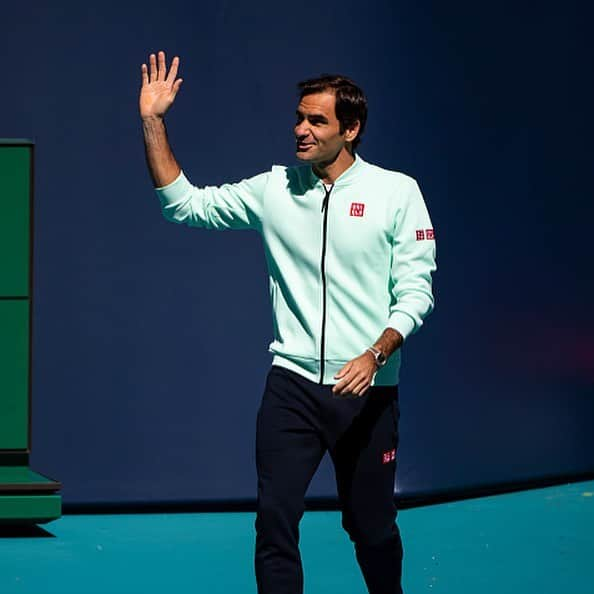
x=174 y=191
x=401 y=322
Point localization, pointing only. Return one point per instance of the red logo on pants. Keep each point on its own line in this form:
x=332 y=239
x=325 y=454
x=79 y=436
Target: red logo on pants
x=388 y=456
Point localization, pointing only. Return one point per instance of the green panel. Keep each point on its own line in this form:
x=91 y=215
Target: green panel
x=30 y=508
x=14 y=220
x=22 y=475
x=14 y=375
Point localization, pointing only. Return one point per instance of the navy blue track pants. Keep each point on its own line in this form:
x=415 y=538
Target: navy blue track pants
x=298 y=421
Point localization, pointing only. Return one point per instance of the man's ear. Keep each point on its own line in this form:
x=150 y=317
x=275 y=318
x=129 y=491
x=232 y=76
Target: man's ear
x=352 y=131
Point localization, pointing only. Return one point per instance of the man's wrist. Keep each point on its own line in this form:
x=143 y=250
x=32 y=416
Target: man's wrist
x=378 y=355
x=152 y=120
x=390 y=341
x=369 y=354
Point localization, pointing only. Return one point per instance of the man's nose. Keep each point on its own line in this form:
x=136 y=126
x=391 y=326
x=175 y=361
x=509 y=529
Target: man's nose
x=301 y=130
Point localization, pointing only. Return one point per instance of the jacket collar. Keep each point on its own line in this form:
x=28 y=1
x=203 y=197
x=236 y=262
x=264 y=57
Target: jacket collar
x=346 y=177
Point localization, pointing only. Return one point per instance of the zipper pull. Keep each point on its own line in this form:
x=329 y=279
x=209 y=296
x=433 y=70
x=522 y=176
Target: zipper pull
x=326 y=197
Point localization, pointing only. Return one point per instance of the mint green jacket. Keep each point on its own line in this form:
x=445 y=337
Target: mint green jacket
x=342 y=266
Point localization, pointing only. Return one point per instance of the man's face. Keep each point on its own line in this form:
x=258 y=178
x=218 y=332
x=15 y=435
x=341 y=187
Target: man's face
x=317 y=130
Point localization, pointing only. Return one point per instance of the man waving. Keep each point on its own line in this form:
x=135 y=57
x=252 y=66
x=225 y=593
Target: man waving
x=350 y=250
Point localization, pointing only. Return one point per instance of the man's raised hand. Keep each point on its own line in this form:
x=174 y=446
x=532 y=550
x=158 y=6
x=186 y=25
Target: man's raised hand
x=159 y=88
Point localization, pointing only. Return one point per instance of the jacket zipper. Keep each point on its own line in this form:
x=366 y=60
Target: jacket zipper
x=323 y=269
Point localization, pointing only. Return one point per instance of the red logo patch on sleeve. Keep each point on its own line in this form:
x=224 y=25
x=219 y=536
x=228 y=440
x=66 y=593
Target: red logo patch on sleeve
x=430 y=234
x=420 y=234
x=357 y=209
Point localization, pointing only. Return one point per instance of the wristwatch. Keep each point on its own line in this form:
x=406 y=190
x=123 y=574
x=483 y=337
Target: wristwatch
x=380 y=358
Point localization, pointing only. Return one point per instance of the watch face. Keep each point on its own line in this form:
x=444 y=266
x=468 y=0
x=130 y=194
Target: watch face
x=381 y=359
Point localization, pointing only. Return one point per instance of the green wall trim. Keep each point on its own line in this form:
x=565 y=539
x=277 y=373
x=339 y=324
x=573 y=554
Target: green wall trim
x=16 y=141
x=30 y=508
x=23 y=478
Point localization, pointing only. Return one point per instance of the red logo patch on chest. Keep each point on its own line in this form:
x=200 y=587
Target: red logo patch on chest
x=357 y=209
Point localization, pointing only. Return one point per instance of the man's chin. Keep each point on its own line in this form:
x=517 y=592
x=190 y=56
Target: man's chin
x=304 y=156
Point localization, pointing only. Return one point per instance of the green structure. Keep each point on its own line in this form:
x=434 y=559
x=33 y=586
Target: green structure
x=25 y=496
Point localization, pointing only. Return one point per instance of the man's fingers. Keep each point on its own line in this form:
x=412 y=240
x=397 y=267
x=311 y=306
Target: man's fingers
x=162 y=69
x=144 y=75
x=341 y=384
x=346 y=376
x=360 y=388
x=338 y=386
x=349 y=382
x=177 y=85
x=352 y=385
x=153 y=64
x=173 y=71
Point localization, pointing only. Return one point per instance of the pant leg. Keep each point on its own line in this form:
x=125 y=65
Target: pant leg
x=365 y=463
x=288 y=452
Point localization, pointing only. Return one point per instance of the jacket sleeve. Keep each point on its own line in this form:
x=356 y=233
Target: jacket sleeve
x=413 y=261
x=230 y=206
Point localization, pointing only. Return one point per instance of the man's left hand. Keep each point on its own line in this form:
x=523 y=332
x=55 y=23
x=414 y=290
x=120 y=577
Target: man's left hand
x=356 y=376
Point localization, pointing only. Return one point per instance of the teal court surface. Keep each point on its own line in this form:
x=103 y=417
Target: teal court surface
x=531 y=542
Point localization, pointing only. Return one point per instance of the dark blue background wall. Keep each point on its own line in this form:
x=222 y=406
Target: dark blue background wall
x=151 y=339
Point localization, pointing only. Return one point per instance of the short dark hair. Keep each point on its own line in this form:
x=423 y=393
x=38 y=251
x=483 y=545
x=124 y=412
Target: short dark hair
x=351 y=103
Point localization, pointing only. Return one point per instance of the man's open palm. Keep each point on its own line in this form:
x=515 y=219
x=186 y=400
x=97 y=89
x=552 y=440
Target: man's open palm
x=158 y=89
